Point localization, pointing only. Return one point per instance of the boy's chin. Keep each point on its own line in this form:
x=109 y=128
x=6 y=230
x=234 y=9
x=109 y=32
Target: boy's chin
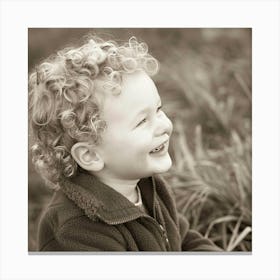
x=163 y=166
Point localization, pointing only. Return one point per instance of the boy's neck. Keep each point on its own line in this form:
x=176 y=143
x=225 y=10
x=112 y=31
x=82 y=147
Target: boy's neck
x=125 y=187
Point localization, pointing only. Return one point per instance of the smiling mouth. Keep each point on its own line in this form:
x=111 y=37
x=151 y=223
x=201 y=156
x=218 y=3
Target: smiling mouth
x=159 y=148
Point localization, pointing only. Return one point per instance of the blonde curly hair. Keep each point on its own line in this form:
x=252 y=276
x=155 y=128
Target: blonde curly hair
x=63 y=108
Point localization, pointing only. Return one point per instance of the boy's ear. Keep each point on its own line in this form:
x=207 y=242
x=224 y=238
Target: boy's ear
x=87 y=156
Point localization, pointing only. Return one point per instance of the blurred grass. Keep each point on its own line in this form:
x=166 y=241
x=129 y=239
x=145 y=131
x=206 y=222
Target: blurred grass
x=205 y=84
x=211 y=143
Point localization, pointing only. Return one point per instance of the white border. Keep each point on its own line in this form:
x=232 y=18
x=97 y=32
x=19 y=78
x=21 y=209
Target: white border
x=262 y=16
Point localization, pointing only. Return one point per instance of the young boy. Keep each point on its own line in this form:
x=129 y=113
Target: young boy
x=100 y=139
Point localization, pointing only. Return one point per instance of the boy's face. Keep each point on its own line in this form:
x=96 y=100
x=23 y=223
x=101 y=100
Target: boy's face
x=135 y=142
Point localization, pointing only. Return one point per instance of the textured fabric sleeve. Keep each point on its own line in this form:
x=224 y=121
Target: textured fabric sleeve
x=80 y=235
x=193 y=240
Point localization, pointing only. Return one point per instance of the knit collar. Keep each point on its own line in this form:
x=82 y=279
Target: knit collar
x=102 y=201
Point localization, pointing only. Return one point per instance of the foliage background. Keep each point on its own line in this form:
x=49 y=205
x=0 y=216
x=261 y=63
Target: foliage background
x=205 y=83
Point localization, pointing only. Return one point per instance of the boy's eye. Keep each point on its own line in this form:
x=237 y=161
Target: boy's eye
x=159 y=108
x=143 y=121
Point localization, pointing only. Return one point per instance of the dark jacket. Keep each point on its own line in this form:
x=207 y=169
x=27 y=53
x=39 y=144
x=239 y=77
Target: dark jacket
x=86 y=215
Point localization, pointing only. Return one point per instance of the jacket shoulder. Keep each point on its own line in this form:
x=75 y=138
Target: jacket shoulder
x=66 y=227
x=59 y=211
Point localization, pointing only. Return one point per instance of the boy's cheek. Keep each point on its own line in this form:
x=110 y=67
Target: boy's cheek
x=143 y=138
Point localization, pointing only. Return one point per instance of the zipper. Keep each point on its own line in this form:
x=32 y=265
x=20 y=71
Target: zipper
x=157 y=224
x=165 y=236
x=159 y=215
x=161 y=229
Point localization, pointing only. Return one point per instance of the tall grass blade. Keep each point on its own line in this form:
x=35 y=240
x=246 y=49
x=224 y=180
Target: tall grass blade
x=244 y=86
x=239 y=238
x=218 y=221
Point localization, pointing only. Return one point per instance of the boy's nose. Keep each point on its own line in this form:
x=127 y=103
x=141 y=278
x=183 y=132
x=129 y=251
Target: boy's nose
x=164 y=126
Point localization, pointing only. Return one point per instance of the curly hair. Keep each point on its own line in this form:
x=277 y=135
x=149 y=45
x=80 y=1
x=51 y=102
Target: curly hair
x=63 y=108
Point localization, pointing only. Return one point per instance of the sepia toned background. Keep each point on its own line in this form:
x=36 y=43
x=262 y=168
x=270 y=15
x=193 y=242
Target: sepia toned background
x=205 y=85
